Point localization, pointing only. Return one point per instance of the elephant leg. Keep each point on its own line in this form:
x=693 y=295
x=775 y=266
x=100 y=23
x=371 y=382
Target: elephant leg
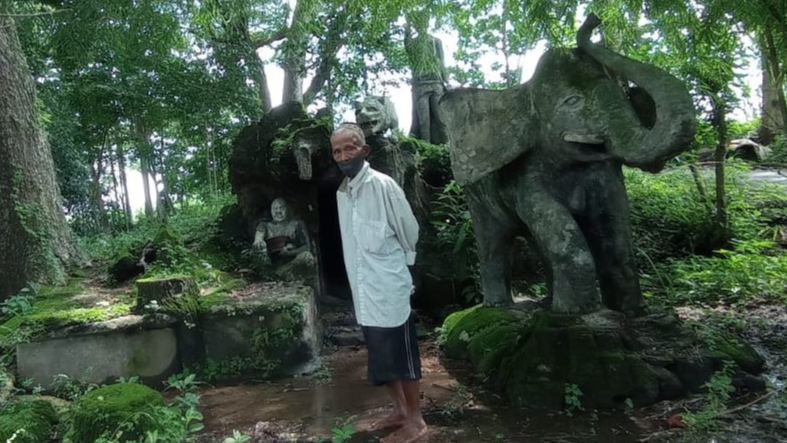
x=563 y=247
x=608 y=229
x=494 y=239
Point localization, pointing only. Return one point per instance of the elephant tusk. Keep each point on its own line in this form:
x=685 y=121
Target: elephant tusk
x=587 y=139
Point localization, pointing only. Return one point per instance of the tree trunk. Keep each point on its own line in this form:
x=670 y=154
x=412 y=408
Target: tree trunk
x=701 y=191
x=36 y=241
x=145 y=170
x=121 y=154
x=720 y=123
x=98 y=210
x=262 y=81
x=774 y=105
x=295 y=51
x=116 y=188
x=144 y=153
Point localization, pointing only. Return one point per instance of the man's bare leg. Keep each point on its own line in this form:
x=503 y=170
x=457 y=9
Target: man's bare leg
x=398 y=416
x=414 y=427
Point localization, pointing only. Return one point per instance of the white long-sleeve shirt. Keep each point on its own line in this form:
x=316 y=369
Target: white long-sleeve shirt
x=379 y=234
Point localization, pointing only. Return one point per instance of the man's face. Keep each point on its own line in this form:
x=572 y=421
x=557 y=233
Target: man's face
x=345 y=147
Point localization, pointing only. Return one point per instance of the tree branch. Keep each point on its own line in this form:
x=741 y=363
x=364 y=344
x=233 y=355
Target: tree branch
x=329 y=48
x=270 y=39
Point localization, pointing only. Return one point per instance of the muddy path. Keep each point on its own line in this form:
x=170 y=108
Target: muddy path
x=458 y=409
x=456 y=412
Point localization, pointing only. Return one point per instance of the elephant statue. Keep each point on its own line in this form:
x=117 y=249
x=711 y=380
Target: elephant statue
x=545 y=157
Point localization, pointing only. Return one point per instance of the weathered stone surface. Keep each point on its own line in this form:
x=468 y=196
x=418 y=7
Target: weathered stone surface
x=285 y=155
x=274 y=331
x=544 y=159
x=104 y=352
x=264 y=164
x=532 y=357
x=748 y=150
x=429 y=79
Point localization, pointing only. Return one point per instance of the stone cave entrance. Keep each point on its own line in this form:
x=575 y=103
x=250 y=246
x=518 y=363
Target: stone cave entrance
x=334 y=277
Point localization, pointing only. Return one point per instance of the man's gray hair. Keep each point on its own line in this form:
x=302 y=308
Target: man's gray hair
x=353 y=129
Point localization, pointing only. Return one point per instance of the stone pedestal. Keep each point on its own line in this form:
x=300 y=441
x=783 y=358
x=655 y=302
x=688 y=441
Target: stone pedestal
x=103 y=352
x=604 y=359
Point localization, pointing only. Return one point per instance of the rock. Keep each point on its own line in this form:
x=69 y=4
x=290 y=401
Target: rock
x=127 y=346
x=61 y=406
x=32 y=421
x=347 y=337
x=532 y=358
x=125 y=267
x=748 y=150
x=273 y=332
x=670 y=386
x=101 y=411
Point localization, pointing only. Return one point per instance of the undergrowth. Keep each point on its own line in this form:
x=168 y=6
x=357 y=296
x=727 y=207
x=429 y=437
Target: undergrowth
x=681 y=258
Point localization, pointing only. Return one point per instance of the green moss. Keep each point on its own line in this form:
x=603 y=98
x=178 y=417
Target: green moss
x=229 y=285
x=165 y=235
x=460 y=327
x=55 y=308
x=531 y=359
x=33 y=421
x=741 y=353
x=105 y=411
x=271 y=345
x=558 y=349
x=214 y=300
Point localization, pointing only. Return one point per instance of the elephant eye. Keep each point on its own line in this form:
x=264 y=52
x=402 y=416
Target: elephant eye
x=572 y=100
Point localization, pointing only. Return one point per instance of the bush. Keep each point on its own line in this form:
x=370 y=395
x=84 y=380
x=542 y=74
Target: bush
x=31 y=421
x=753 y=270
x=670 y=219
x=125 y=408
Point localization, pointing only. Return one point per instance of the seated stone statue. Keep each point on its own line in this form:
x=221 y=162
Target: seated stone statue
x=284 y=243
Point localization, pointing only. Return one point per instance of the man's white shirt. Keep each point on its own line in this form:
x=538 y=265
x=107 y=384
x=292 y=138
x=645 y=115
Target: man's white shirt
x=379 y=234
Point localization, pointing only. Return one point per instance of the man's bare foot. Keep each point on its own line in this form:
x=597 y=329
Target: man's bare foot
x=392 y=420
x=409 y=433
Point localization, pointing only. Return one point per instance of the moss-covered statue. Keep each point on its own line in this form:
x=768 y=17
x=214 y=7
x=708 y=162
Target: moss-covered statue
x=377 y=116
x=284 y=242
x=427 y=61
x=547 y=155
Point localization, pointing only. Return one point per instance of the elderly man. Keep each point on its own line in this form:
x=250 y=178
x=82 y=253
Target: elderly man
x=379 y=233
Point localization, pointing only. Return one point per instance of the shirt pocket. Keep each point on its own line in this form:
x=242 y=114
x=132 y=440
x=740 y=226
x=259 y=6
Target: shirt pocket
x=373 y=235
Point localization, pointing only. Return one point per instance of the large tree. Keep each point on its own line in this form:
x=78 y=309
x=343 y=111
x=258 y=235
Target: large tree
x=36 y=240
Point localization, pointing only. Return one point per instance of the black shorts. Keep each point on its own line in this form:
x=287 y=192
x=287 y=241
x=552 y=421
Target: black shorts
x=393 y=353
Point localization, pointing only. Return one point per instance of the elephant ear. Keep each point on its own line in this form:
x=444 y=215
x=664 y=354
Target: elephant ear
x=486 y=129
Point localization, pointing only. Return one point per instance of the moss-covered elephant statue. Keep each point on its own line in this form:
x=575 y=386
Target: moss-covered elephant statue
x=546 y=155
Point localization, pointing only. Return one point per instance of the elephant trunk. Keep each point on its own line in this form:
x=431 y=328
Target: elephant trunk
x=630 y=141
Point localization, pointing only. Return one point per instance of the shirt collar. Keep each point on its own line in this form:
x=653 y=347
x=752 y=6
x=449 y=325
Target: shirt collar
x=350 y=184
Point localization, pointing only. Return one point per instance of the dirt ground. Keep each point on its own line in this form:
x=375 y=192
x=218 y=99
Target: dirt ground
x=458 y=409
x=312 y=407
